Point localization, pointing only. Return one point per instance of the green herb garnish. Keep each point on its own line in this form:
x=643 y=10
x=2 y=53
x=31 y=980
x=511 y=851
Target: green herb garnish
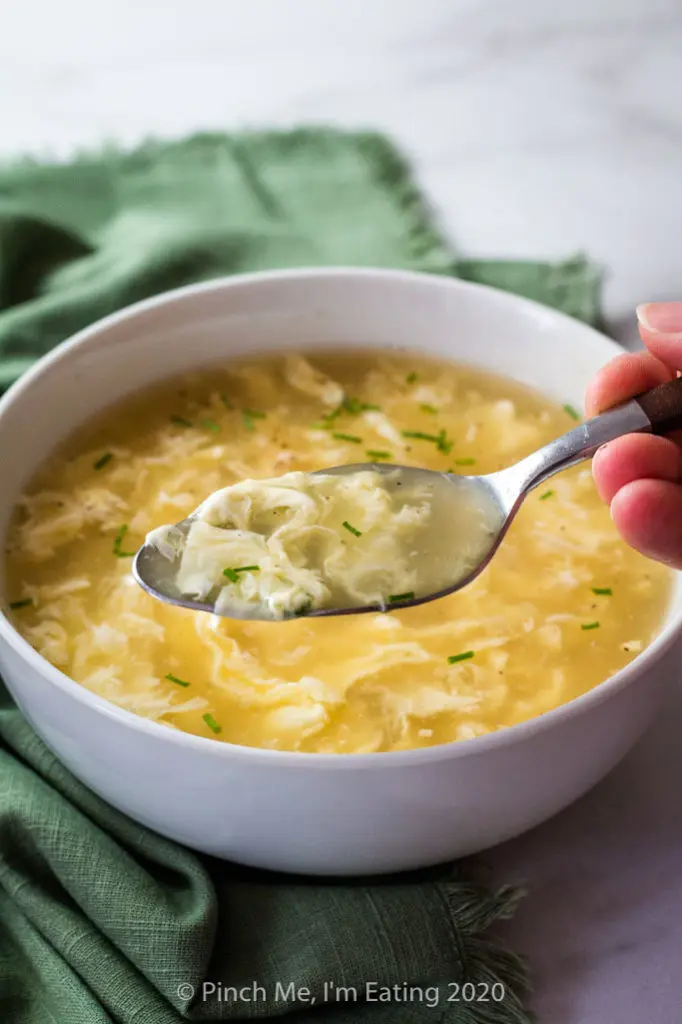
x=570 y=411
x=174 y=679
x=444 y=445
x=118 y=540
x=419 y=435
x=411 y=377
x=15 y=605
x=353 y=406
x=304 y=608
x=605 y=591
x=439 y=439
x=546 y=495
x=431 y=409
x=351 y=529
x=249 y=415
x=348 y=437
x=373 y=453
x=465 y=462
x=180 y=421
x=464 y=656
x=233 y=574
x=590 y=625
x=211 y=425
x=408 y=596
x=212 y=724
x=226 y=402
x=329 y=417
x=102 y=461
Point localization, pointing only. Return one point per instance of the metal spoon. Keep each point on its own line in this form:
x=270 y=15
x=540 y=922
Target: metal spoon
x=658 y=411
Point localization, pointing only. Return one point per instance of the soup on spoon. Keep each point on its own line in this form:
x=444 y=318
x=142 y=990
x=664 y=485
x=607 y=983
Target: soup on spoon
x=344 y=540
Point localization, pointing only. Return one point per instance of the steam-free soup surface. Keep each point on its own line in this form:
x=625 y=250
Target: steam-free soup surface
x=562 y=606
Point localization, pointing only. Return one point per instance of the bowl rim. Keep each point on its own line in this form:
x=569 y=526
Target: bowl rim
x=478 y=745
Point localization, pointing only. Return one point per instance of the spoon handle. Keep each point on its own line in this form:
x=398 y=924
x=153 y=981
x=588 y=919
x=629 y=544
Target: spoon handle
x=663 y=407
x=658 y=411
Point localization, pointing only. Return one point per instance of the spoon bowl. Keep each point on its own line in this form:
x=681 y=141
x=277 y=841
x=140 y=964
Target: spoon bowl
x=156 y=572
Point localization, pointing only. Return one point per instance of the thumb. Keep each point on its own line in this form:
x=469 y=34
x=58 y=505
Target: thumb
x=660 y=328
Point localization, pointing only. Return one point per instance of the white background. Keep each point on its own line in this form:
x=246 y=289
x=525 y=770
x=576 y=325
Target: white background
x=537 y=128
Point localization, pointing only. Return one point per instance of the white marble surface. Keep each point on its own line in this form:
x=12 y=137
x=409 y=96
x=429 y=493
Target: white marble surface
x=537 y=129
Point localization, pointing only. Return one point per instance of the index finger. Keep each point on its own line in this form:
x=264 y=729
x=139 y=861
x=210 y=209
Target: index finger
x=622 y=378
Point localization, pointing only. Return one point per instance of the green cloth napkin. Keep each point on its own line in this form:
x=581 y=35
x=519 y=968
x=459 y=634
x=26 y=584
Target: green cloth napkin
x=100 y=919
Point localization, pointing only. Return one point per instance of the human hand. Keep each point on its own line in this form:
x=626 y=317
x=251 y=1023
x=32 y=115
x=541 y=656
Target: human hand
x=640 y=475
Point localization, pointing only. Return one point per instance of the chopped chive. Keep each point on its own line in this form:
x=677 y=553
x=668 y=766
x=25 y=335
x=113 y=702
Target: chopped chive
x=425 y=407
x=174 y=679
x=226 y=402
x=464 y=656
x=374 y=453
x=354 y=406
x=180 y=421
x=211 y=425
x=465 y=462
x=329 y=417
x=212 y=724
x=348 y=437
x=249 y=415
x=419 y=435
x=606 y=591
x=15 y=605
x=439 y=439
x=408 y=596
x=411 y=378
x=444 y=445
x=590 y=625
x=118 y=540
x=233 y=574
x=351 y=529
x=546 y=495
x=102 y=461
x=570 y=411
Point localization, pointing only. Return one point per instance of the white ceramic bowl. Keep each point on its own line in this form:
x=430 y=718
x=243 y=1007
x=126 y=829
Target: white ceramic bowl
x=316 y=813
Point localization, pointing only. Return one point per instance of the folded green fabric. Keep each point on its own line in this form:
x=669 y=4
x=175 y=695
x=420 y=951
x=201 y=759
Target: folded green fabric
x=100 y=919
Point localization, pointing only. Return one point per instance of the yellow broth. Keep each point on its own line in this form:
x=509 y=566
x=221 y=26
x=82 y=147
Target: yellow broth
x=563 y=605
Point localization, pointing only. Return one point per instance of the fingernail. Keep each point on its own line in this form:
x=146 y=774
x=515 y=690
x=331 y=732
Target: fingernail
x=661 y=317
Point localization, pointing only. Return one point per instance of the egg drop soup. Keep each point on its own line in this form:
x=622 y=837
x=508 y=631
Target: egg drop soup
x=563 y=605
